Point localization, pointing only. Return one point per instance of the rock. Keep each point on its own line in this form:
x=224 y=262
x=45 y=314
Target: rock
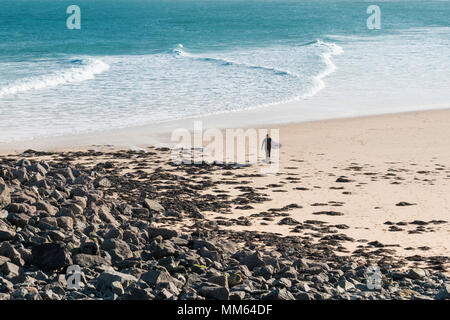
x=158 y=278
x=38 y=168
x=140 y=212
x=153 y=206
x=164 y=294
x=289 y=272
x=6 y=235
x=71 y=209
x=219 y=280
x=44 y=206
x=105 y=214
x=300 y=264
x=18 y=219
x=266 y=272
x=237 y=295
x=278 y=294
x=288 y=221
x=136 y=293
x=404 y=204
x=114 y=233
x=210 y=254
x=329 y=213
x=163 y=232
x=163 y=249
x=65 y=223
x=345 y=285
x=444 y=292
x=343 y=179
x=118 y=249
x=90 y=247
x=102 y=182
x=5 y=286
x=51 y=256
x=3 y=260
x=56 y=235
x=47 y=223
x=89 y=261
x=106 y=280
x=282 y=283
x=417 y=273
x=10 y=270
x=117 y=288
x=234 y=279
x=304 y=296
x=214 y=292
x=7 y=250
x=253 y=260
x=200 y=243
x=5 y=197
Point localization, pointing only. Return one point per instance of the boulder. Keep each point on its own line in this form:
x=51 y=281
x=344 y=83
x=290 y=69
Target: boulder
x=51 y=256
x=153 y=206
x=5 y=286
x=105 y=214
x=10 y=270
x=163 y=232
x=89 y=260
x=102 y=182
x=65 y=222
x=417 y=273
x=45 y=206
x=5 y=196
x=6 y=235
x=219 y=280
x=118 y=249
x=278 y=294
x=106 y=280
x=253 y=260
x=158 y=278
x=214 y=292
x=444 y=292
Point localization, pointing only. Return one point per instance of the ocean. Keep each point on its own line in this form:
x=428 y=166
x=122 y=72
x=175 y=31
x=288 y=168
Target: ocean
x=136 y=62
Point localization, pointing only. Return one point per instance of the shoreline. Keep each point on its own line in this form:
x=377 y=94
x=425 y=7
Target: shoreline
x=137 y=137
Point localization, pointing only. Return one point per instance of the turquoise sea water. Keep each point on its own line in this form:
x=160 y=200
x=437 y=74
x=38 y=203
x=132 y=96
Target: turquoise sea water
x=146 y=61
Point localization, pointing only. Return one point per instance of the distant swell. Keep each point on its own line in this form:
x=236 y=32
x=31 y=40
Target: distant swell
x=180 y=52
x=80 y=73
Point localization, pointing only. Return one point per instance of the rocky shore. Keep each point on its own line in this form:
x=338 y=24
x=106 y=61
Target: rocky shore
x=138 y=227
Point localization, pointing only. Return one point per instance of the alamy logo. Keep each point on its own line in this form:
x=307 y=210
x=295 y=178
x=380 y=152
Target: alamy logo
x=373 y=278
x=374 y=21
x=73 y=277
x=230 y=146
x=74 y=20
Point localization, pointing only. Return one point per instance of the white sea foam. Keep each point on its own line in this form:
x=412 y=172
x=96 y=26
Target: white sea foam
x=87 y=71
x=319 y=83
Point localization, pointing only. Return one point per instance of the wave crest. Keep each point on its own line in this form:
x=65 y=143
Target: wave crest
x=319 y=84
x=178 y=51
x=87 y=71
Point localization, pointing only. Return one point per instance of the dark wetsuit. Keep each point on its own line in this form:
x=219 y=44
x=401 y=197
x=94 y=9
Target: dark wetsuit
x=268 y=142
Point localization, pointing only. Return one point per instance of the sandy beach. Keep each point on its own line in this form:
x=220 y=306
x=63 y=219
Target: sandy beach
x=394 y=167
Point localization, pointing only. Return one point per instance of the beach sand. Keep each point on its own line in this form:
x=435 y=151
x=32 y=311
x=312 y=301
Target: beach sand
x=377 y=182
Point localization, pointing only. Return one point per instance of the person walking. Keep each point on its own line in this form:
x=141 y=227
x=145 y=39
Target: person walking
x=267 y=145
